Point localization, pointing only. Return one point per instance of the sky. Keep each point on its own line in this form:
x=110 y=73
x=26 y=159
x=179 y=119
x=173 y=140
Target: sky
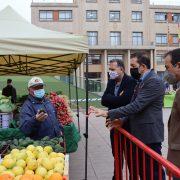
x=23 y=6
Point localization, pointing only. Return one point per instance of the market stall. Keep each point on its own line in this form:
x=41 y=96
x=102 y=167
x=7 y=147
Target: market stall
x=28 y=50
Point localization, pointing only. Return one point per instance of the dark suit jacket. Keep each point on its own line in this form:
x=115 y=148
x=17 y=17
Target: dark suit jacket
x=125 y=93
x=145 y=112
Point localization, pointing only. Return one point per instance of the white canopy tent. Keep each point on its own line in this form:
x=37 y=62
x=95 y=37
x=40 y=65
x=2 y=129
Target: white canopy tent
x=29 y=50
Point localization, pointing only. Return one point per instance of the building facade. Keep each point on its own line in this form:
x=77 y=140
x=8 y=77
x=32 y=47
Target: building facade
x=115 y=29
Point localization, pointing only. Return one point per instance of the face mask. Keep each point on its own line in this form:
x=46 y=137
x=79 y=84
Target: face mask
x=135 y=73
x=39 y=93
x=113 y=74
x=170 y=78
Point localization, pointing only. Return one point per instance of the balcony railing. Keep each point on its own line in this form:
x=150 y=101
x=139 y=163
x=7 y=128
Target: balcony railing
x=123 y=44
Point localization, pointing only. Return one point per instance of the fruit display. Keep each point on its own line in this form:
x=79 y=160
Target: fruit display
x=33 y=163
x=5 y=104
x=64 y=112
x=56 y=143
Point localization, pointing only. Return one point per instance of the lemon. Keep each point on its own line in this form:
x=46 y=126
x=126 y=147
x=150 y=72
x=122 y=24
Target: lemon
x=29 y=172
x=21 y=155
x=8 y=163
x=32 y=164
x=15 y=151
x=46 y=163
x=31 y=148
x=17 y=170
x=21 y=163
x=2 y=169
x=39 y=148
x=7 y=156
x=35 y=153
x=29 y=153
x=53 y=155
x=59 y=168
x=41 y=171
x=29 y=159
x=49 y=173
x=18 y=177
x=61 y=155
x=43 y=155
x=48 y=149
x=39 y=161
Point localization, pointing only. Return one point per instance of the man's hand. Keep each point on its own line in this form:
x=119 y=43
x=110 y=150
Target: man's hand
x=117 y=123
x=41 y=116
x=98 y=112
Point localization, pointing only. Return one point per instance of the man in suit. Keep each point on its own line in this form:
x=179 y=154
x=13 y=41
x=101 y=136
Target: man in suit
x=144 y=114
x=172 y=64
x=119 y=91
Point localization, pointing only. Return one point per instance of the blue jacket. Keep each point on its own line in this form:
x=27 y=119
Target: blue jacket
x=34 y=129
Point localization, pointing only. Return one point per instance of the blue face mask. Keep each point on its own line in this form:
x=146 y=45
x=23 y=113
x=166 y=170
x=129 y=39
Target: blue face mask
x=39 y=93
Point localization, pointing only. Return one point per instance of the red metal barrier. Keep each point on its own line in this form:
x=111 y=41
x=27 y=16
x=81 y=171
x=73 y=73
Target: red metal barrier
x=133 y=159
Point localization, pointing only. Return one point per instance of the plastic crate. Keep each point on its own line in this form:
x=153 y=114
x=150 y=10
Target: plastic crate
x=5 y=119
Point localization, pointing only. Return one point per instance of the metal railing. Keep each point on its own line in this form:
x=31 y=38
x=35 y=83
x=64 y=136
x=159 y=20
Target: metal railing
x=127 y=147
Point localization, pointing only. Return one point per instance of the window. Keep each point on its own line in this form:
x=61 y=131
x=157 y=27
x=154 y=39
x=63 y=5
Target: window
x=114 y=1
x=65 y=15
x=136 y=1
x=176 y=17
x=175 y=39
x=91 y=15
x=92 y=38
x=161 y=39
x=94 y=59
x=160 y=16
x=160 y=59
x=93 y=75
x=114 y=15
x=137 y=38
x=136 y=16
x=115 y=38
x=115 y=57
x=46 y=15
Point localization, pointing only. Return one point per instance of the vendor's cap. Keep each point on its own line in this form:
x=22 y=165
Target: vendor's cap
x=35 y=81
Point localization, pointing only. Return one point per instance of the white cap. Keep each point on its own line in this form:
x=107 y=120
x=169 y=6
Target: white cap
x=35 y=81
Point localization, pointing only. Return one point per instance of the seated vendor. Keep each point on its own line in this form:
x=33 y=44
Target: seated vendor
x=38 y=117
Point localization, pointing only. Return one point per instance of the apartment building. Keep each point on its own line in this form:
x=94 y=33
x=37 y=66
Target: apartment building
x=115 y=29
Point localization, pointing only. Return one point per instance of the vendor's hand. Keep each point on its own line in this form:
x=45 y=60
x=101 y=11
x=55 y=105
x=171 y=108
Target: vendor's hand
x=41 y=116
x=117 y=123
x=98 y=112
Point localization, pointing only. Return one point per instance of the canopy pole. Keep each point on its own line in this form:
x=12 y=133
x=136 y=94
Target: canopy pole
x=69 y=88
x=77 y=101
x=87 y=118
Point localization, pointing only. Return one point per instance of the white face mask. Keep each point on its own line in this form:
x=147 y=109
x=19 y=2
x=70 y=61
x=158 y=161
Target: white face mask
x=113 y=74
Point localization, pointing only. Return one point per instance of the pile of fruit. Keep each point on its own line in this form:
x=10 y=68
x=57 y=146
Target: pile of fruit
x=64 y=112
x=56 y=143
x=33 y=163
x=5 y=104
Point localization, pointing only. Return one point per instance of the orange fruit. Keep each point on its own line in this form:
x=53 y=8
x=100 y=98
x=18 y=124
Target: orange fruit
x=56 y=176
x=6 y=177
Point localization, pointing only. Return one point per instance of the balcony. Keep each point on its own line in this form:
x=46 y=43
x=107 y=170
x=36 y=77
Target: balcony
x=123 y=45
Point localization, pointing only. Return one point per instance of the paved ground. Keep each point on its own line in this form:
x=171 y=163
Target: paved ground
x=100 y=161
